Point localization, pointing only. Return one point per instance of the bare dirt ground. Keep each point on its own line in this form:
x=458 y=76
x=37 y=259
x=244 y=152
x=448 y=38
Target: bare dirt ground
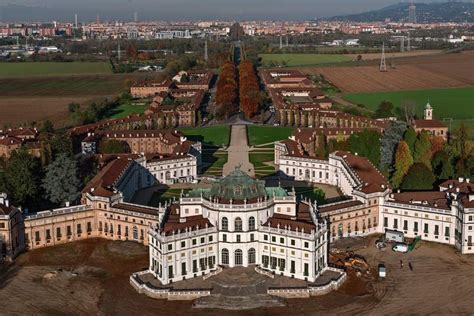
x=420 y=72
x=23 y=110
x=94 y=280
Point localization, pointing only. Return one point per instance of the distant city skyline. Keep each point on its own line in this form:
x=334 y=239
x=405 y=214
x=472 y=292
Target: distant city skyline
x=87 y=10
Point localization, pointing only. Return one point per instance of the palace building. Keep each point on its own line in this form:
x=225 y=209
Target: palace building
x=371 y=206
x=238 y=222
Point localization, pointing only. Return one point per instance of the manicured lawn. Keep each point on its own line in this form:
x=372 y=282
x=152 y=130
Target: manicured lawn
x=214 y=135
x=456 y=103
x=267 y=134
x=301 y=59
x=27 y=69
x=312 y=193
x=164 y=195
x=260 y=160
x=214 y=162
x=128 y=108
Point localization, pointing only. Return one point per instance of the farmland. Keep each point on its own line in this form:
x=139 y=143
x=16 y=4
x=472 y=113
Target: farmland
x=457 y=103
x=29 y=69
x=24 y=100
x=302 y=59
x=422 y=72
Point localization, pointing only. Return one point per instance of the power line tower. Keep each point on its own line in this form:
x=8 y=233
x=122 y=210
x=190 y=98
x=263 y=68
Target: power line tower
x=402 y=44
x=383 y=63
x=281 y=42
x=206 y=57
x=409 y=42
x=119 y=54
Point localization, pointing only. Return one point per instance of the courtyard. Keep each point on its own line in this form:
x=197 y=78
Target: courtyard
x=92 y=277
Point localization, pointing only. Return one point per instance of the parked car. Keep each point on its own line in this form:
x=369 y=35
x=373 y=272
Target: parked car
x=400 y=248
x=382 y=270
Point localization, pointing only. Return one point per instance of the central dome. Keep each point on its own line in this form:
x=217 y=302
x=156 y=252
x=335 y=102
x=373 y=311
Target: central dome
x=238 y=186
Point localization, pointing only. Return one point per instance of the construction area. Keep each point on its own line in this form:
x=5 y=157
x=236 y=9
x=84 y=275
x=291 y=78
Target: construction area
x=92 y=277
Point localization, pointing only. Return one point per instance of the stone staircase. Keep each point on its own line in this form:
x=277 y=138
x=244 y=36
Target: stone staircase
x=234 y=302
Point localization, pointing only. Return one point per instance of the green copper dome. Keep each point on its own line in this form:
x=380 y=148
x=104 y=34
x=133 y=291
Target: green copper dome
x=238 y=186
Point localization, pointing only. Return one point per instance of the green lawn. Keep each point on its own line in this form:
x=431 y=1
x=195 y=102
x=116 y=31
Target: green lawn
x=214 y=162
x=164 y=195
x=28 y=69
x=267 y=134
x=312 y=193
x=456 y=103
x=126 y=109
x=214 y=135
x=301 y=59
x=260 y=160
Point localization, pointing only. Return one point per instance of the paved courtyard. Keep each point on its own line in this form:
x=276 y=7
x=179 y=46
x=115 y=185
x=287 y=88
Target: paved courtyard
x=238 y=152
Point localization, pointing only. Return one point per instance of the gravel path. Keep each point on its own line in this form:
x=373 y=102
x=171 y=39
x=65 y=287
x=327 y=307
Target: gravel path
x=238 y=152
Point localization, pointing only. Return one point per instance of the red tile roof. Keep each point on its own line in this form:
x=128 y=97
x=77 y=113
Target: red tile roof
x=302 y=221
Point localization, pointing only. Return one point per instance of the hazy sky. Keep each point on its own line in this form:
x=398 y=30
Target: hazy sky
x=205 y=9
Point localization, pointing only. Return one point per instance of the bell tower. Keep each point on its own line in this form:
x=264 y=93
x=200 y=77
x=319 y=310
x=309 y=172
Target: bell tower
x=428 y=112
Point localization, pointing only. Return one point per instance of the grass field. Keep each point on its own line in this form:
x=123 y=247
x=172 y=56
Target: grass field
x=267 y=134
x=214 y=135
x=302 y=59
x=126 y=109
x=28 y=69
x=456 y=103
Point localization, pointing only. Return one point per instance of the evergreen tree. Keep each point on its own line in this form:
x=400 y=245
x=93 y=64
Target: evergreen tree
x=321 y=151
x=422 y=151
x=384 y=110
x=22 y=176
x=391 y=137
x=61 y=182
x=418 y=177
x=442 y=166
x=403 y=162
x=410 y=138
x=364 y=143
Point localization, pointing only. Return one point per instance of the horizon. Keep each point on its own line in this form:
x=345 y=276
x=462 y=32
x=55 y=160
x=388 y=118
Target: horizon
x=183 y=10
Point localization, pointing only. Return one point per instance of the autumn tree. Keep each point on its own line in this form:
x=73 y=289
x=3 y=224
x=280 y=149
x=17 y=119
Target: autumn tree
x=410 y=138
x=403 y=162
x=422 y=151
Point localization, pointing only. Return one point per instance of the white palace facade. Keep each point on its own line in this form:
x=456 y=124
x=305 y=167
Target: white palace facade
x=444 y=216
x=239 y=222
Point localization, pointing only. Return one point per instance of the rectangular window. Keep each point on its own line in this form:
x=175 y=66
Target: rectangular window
x=89 y=227
x=292 y=267
x=203 y=240
x=170 y=247
x=405 y=225
x=306 y=269
x=183 y=244
x=210 y=238
x=252 y=237
x=436 y=230
x=183 y=268
x=37 y=236
x=282 y=240
x=69 y=231
x=265 y=237
x=395 y=223
x=385 y=222
x=194 y=242
x=415 y=226
x=293 y=242
x=273 y=239
x=224 y=238
x=58 y=232
x=446 y=231
x=238 y=238
x=306 y=244
x=48 y=234
x=79 y=229
x=426 y=229
x=195 y=266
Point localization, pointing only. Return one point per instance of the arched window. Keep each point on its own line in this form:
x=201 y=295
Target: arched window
x=252 y=223
x=238 y=224
x=225 y=224
x=225 y=256
x=238 y=257
x=251 y=254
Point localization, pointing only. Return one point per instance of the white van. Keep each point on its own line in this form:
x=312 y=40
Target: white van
x=400 y=248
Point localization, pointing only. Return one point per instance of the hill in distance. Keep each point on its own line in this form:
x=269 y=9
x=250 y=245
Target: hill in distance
x=425 y=13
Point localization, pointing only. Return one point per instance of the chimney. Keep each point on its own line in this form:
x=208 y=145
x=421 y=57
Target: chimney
x=461 y=179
